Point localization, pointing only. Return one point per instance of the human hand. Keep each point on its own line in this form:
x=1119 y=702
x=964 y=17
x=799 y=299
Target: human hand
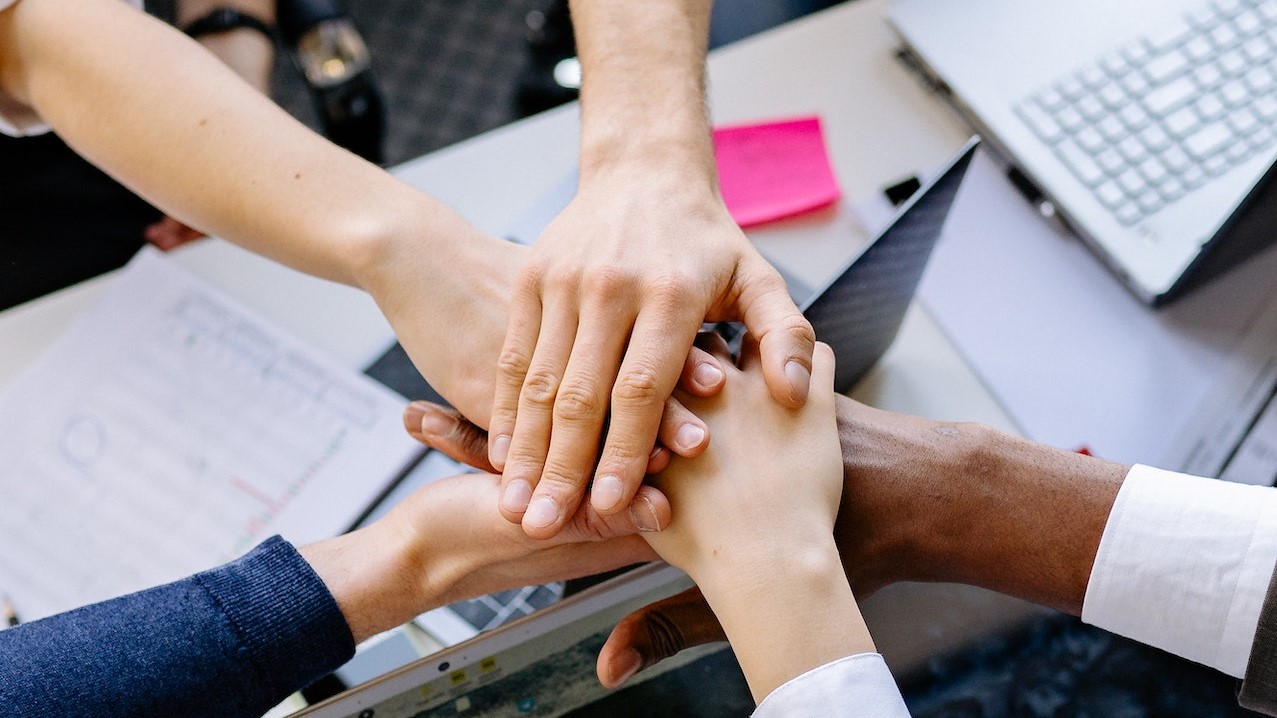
x=169 y=233
x=447 y=430
x=753 y=526
x=444 y=543
x=768 y=487
x=605 y=311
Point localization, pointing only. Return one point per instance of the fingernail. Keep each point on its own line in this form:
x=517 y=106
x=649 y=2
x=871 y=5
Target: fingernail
x=707 y=375
x=412 y=415
x=515 y=497
x=435 y=423
x=643 y=515
x=500 y=449
x=799 y=378
x=689 y=436
x=607 y=492
x=624 y=665
x=542 y=512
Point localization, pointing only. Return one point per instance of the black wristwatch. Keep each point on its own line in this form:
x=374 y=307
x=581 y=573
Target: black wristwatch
x=225 y=19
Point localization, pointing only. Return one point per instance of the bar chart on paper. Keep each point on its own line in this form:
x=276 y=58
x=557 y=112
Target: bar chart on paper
x=171 y=430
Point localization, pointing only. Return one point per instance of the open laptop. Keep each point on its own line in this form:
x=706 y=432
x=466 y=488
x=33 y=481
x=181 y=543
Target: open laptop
x=543 y=663
x=1150 y=126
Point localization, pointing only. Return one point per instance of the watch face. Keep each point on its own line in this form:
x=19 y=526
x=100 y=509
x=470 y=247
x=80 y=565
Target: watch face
x=332 y=53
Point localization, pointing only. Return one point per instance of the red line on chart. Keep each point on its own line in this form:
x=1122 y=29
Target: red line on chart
x=271 y=504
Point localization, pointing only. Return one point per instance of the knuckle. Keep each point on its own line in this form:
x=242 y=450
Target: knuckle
x=639 y=385
x=578 y=401
x=540 y=387
x=664 y=635
x=608 y=283
x=673 y=288
x=513 y=362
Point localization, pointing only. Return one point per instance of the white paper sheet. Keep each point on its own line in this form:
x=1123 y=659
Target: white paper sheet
x=1074 y=358
x=170 y=430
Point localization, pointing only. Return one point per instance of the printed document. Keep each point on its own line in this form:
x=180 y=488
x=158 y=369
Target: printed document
x=171 y=430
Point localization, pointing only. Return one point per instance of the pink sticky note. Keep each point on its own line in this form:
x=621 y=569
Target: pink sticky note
x=773 y=170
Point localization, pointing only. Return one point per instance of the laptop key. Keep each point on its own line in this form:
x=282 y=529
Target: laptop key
x=1165 y=67
x=1079 y=162
x=1112 y=128
x=1175 y=159
x=1110 y=161
x=1070 y=88
x=1207 y=76
x=1092 y=76
x=1153 y=170
x=1091 y=108
x=1070 y=119
x=1182 y=122
x=1169 y=36
x=1155 y=138
x=1198 y=48
x=1193 y=177
x=1128 y=214
x=1224 y=36
x=1216 y=165
x=1113 y=96
x=1262 y=137
x=1091 y=140
x=1207 y=141
x=1257 y=50
x=1169 y=96
x=1133 y=150
x=1209 y=108
x=1149 y=202
x=1110 y=195
x=1050 y=99
x=1259 y=79
x=1171 y=190
x=1234 y=93
x=1135 y=117
x=1115 y=63
x=1238 y=151
x=1243 y=121
x=1266 y=107
x=1232 y=63
x=1132 y=183
x=1248 y=23
x=1042 y=124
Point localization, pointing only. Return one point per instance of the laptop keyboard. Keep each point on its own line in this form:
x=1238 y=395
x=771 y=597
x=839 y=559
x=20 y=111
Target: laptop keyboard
x=1155 y=120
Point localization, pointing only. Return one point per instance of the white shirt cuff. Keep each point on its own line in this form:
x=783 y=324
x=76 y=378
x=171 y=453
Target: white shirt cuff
x=857 y=685
x=1184 y=565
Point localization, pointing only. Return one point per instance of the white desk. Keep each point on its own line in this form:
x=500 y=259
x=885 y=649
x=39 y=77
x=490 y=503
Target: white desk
x=880 y=125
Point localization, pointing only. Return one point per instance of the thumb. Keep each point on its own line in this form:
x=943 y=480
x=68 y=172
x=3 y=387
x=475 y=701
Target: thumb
x=654 y=633
x=785 y=337
x=445 y=429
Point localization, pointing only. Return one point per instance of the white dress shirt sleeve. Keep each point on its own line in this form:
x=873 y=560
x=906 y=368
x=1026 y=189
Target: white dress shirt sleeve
x=1184 y=564
x=17 y=119
x=858 y=685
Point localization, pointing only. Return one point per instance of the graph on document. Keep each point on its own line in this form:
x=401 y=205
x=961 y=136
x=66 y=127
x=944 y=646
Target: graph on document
x=155 y=445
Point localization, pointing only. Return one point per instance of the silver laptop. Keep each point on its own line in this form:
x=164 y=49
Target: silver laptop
x=1150 y=126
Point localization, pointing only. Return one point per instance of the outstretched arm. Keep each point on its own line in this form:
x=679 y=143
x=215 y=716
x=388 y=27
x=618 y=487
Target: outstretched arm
x=163 y=116
x=237 y=639
x=617 y=287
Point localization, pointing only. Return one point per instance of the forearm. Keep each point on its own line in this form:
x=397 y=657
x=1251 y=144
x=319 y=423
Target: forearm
x=233 y=641
x=785 y=617
x=643 y=86
x=105 y=77
x=938 y=501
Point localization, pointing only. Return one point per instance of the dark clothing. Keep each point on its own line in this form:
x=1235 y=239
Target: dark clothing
x=232 y=641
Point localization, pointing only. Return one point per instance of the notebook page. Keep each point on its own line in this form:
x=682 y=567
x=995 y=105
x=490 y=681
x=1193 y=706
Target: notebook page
x=170 y=430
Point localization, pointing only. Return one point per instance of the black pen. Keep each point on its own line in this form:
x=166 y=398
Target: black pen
x=10 y=615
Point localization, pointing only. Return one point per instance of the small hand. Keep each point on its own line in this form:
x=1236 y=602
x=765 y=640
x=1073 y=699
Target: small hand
x=169 y=233
x=604 y=314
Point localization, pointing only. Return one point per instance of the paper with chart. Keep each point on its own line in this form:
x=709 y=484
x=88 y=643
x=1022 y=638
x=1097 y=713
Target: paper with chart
x=170 y=430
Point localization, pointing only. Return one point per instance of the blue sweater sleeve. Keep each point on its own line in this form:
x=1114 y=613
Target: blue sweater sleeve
x=233 y=641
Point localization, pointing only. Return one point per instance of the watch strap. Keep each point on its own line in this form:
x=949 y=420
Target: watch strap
x=226 y=19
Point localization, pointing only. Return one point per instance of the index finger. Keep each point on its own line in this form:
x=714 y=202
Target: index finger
x=649 y=372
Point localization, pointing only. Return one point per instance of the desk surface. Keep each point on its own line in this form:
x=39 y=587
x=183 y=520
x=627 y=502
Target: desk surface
x=880 y=126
